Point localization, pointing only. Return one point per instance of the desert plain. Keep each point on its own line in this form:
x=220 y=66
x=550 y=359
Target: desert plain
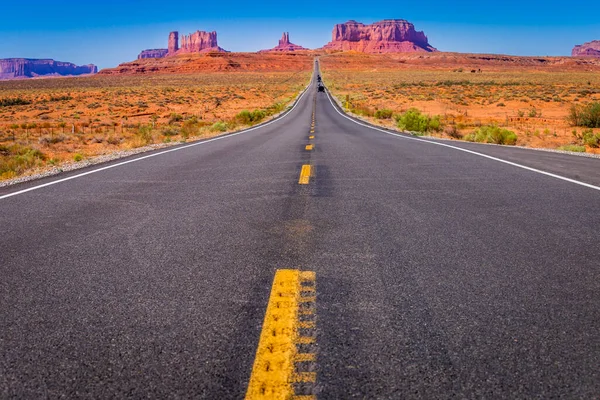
x=47 y=123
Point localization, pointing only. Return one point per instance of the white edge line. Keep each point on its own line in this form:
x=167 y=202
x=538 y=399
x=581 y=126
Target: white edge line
x=159 y=153
x=466 y=151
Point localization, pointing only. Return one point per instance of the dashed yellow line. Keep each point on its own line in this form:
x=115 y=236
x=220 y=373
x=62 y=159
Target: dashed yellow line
x=304 y=175
x=274 y=371
x=309 y=147
x=311 y=137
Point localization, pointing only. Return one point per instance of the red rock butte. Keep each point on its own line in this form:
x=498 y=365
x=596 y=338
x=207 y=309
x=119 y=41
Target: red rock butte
x=197 y=42
x=18 y=68
x=387 y=36
x=285 y=45
x=590 y=49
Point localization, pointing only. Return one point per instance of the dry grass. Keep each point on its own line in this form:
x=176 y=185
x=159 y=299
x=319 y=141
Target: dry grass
x=534 y=103
x=70 y=118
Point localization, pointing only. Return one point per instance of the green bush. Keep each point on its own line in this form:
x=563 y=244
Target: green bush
x=170 y=131
x=588 y=138
x=412 y=120
x=383 y=114
x=246 y=117
x=585 y=115
x=16 y=159
x=175 y=118
x=573 y=147
x=145 y=134
x=219 y=127
x=492 y=134
x=77 y=157
x=14 y=102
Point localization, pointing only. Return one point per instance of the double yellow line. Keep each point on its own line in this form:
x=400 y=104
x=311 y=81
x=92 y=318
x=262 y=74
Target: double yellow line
x=290 y=309
x=307 y=170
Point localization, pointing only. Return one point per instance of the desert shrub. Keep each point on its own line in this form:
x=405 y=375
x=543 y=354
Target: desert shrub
x=175 y=118
x=94 y=105
x=113 y=140
x=190 y=128
x=218 y=127
x=413 y=120
x=246 y=117
x=77 y=157
x=170 y=131
x=16 y=159
x=383 y=114
x=144 y=133
x=573 y=147
x=492 y=134
x=276 y=107
x=585 y=115
x=60 y=98
x=364 y=111
x=14 y=102
x=452 y=132
x=48 y=140
x=587 y=138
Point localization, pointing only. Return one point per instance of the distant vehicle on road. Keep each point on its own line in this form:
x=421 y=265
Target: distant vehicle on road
x=320 y=88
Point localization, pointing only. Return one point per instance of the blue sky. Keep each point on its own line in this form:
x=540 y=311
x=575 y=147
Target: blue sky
x=109 y=32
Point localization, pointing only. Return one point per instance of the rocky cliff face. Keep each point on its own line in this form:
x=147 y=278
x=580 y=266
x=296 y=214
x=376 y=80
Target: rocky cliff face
x=153 y=53
x=15 y=68
x=285 y=45
x=590 y=49
x=197 y=42
x=387 y=36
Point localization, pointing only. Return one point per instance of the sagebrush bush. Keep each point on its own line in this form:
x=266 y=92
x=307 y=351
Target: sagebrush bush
x=218 y=127
x=587 y=138
x=175 y=118
x=585 y=115
x=14 y=102
x=144 y=133
x=492 y=134
x=413 y=120
x=383 y=114
x=451 y=131
x=573 y=147
x=246 y=117
x=170 y=131
x=16 y=159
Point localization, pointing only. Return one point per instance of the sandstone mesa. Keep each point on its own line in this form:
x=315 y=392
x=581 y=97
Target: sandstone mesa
x=20 y=68
x=285 y=45
x=387 y=36
x=590 y=49
x=153 y=53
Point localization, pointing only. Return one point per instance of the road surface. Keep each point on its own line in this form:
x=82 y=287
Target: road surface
x=439 y=273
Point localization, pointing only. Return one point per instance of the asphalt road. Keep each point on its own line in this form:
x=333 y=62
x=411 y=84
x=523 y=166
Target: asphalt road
x=440 y=273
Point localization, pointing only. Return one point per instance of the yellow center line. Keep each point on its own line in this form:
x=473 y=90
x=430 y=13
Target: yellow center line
x=311 y=137
x=304 y=175
x=274 y=372
x=309 y=147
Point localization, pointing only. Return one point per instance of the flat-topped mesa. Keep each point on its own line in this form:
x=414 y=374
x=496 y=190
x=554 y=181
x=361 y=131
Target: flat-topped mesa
x=153 y=53
x=285 y=45
x=589 y=49
x=387 y=36
x=19 y=68
x=197 y=42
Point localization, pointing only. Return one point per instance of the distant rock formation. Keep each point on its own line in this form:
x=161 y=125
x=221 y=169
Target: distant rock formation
x=590 y=49
x=16 y=68
x=197 y=42
x=153 y=53
x=387 y=36
x=285 y=45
